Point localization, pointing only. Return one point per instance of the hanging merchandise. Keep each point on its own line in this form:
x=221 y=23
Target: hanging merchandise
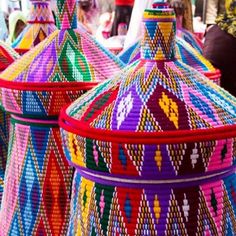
x=36 y=197
x=7 y=56
x=40 y=25
x=153 y=148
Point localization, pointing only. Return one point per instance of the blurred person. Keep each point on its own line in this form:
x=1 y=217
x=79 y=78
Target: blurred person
x=88 y=15
x=104 y=29
x=134 y=29
x=17 y=22
x=211 y=9
x=3 y=27
x=198 y=11
x=183 y=10
x=123 y=11
x=106 y=6
x=220 y=46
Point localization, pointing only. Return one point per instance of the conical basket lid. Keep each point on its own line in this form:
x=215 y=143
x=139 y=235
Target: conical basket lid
x=66 y=63
x=153 y=147
x=39 y=25
x=157 y=100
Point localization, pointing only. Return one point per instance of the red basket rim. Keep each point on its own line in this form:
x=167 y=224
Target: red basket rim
x=57 y=86
x=167 y=137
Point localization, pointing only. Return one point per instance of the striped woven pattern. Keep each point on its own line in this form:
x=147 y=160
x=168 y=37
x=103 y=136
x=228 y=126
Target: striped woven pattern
x=37 y=182
x=186 y=35
x=36 y=198
x=188 y=50
x=154 y=147
x=70 y=58
x=40 y=25
x=4 y=140
x=7 y=56
x=184 y=52
x=191 y=39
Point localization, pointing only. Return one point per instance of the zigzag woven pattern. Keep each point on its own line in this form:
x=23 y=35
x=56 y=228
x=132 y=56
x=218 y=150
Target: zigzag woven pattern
x=181 y=32
x=40 y=25
x=197 y=210
x=191 y=39
x=66 y=15
x=4 y=139
x=184 y=52
x=68 y=57
x=36 y=198
x=37 y=182
x=154 y=147
x=191 y=55
x=7 y=56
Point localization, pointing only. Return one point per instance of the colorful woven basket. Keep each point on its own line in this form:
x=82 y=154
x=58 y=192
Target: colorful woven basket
x=154 y=147
x=40 y=25
x=185 y=52
x=7 y=56
x=36 y=197
x=4 y=139
x=190 y=38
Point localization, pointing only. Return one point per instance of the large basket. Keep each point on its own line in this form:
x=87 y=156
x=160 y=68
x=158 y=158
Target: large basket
x=153 y=148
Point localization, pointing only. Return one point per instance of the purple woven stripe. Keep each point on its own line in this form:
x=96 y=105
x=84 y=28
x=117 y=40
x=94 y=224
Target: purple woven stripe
x=126 y=181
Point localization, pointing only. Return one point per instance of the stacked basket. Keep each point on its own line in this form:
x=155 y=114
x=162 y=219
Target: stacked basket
x=40 y=25
x=154 y=148
x=36 y=198
x=7 y=56
x=185 y=52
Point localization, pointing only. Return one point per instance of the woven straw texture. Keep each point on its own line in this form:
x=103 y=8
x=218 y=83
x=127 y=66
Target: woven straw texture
x=54 y=73
x=4 y=140
x=154 y=148
x=39 y=26
x=7 y=55
x=36 y=196
x=190 y=52
x=184 y=52
x=191 y=39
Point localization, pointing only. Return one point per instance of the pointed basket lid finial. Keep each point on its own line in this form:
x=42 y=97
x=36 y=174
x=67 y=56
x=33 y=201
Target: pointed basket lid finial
x=66 y=14
x=41 y=12
x=159 y=30
x=160 y=4
x=39 y=26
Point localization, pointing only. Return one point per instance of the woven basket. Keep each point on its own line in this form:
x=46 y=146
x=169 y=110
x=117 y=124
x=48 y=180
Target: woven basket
x=7 y=56
x=39 y=25
x=190 y=38
x=188 y=50
x=36 y=198
x=153 y=147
